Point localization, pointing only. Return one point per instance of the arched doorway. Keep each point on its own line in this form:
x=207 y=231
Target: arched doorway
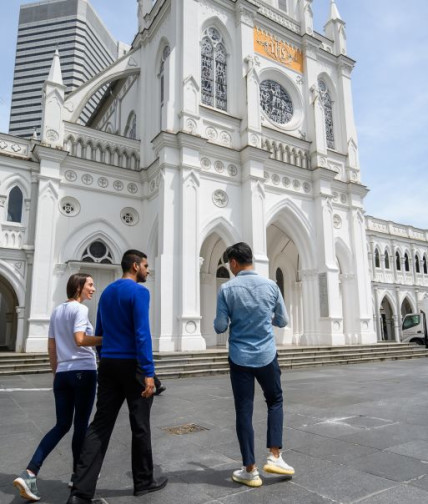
x=8 y=316
x=406 y=308
x=214 y=272
x=386 y=320
x=284 y=269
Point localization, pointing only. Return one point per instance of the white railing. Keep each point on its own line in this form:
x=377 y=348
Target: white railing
x=93 y=145
x=12 y=235
x=286 y=153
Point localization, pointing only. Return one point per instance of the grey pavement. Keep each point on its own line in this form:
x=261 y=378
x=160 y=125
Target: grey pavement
x=355 y=434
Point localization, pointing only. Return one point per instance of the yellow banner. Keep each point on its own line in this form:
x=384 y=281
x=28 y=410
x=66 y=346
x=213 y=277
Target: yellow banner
x=269 y=46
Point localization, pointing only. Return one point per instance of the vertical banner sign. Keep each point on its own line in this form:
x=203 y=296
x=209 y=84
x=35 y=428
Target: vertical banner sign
x=278 y=50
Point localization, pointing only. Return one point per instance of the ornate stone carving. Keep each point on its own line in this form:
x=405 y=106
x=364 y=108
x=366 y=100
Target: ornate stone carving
x=70 y=175
x=276 y=179
x=219 y=167
x=220 y=198
x=191 y=126
x=103 y=182
x=254 y=140
x=337 y=221
x=211 y=133
x=87 y=179
x=132 y=188
x=190 y=327
x=286 y=181
x=225 y=138
x=307 y=187
x=205 y=163
x=118 y=185
x=52 y=135
x=232 y=170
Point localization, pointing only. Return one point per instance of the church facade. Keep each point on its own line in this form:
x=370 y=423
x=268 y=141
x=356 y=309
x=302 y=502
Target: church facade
x=226 y=121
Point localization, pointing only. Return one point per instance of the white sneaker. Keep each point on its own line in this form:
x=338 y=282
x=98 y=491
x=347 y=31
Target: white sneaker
x=277 y=465
x=251 y=479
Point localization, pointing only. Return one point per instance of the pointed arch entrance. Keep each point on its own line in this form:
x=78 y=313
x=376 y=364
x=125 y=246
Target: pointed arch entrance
x=8 y=316
x=214 y=272
x=406 y=307
x=292 y=266
x=387 y=320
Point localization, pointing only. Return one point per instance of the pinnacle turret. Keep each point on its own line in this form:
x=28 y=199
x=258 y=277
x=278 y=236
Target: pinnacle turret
x=334 y=11
x=55 y=74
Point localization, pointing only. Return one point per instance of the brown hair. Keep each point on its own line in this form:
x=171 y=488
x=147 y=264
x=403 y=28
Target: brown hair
x=75 y=284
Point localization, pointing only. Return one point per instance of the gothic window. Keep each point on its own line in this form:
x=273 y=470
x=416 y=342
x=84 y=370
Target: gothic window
x=214 y=70
x=386 y=260
x=280 y=280
x=276 y=102
x=406 y=262
x=222 y=272
x=417 y=265
x=131 y=126
x=377 y=258
x=328 y=112
x=97 y=252
x=14 y=206
x=165 y=54
x=424 y=263
x=397 y=261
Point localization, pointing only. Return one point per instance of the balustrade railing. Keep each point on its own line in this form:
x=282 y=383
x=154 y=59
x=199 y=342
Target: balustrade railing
x=93 y=145
x=286 y=153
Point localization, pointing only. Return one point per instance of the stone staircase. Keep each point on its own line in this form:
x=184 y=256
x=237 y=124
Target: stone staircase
x=213 y=362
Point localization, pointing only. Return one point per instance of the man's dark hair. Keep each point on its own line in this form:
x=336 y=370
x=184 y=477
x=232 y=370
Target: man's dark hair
x=130 y=257
x=241 y=252
x=75 y=284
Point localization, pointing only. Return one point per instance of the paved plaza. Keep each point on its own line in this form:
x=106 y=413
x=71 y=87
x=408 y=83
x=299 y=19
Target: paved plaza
x=353 y=433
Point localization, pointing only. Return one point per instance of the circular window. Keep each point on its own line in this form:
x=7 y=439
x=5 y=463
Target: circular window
x=69 y=206
x=97 y=252
x=129 y=216
x=276 y=102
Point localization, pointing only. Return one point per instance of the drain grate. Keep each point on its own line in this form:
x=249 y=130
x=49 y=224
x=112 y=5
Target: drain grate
x=184 y=429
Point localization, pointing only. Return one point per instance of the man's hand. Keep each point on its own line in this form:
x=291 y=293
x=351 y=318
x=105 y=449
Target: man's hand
x=149 y=389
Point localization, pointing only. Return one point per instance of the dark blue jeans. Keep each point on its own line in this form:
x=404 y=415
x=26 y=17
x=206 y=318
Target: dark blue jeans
x=269 y=378
x=74 y=393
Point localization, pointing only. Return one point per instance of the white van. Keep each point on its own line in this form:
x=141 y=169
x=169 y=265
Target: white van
x=415 y=329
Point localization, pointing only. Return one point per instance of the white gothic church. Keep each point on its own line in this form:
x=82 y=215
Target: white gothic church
x=227 y=121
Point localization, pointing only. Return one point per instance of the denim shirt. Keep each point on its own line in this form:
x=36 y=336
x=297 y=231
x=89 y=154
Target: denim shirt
x=249 y=305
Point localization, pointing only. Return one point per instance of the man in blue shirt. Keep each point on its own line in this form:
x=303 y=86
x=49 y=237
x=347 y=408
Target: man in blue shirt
x=126 y=371
x=249 y=305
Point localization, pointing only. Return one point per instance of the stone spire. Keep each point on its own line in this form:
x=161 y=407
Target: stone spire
x=335 y=29
x=55 y=74
x=334 y=11
x=52 y=132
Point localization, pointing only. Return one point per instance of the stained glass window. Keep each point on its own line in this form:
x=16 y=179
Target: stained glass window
x=213 y=70
x=276 y=102
x=97 y=252
x=327 y=104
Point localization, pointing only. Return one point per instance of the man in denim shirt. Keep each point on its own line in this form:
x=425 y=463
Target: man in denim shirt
x=249 y=305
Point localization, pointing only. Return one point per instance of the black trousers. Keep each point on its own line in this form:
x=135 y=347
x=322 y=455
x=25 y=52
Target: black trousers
x=116 y=382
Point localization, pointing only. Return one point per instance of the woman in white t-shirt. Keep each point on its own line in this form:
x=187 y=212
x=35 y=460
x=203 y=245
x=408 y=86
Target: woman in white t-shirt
x=73 y=362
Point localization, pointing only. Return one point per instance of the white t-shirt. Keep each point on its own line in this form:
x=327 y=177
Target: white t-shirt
x=68 y=318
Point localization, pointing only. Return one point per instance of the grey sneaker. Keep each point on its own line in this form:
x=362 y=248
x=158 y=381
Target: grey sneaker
x=27 y=486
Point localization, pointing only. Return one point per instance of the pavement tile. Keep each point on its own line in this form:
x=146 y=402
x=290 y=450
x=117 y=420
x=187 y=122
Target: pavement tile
x=334 y=450
x=386 y=436
x=402 y=494
x=342 y=484
x=416 y=449
x=389 y=465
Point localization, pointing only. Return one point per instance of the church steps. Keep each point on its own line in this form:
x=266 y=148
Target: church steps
x=214 y=361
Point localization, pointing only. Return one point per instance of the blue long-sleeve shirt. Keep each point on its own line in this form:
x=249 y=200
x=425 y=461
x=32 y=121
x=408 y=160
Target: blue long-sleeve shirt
x=249 y=305
x=123 y=322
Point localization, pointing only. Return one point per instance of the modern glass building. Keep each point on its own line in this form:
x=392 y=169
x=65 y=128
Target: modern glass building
x=85 y=47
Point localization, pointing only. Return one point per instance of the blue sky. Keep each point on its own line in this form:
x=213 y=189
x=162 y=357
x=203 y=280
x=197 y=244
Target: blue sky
x=389 y=40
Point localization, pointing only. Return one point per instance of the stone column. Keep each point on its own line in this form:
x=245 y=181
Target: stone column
x=189 y=317
x=44 y=242
x=253 y=206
